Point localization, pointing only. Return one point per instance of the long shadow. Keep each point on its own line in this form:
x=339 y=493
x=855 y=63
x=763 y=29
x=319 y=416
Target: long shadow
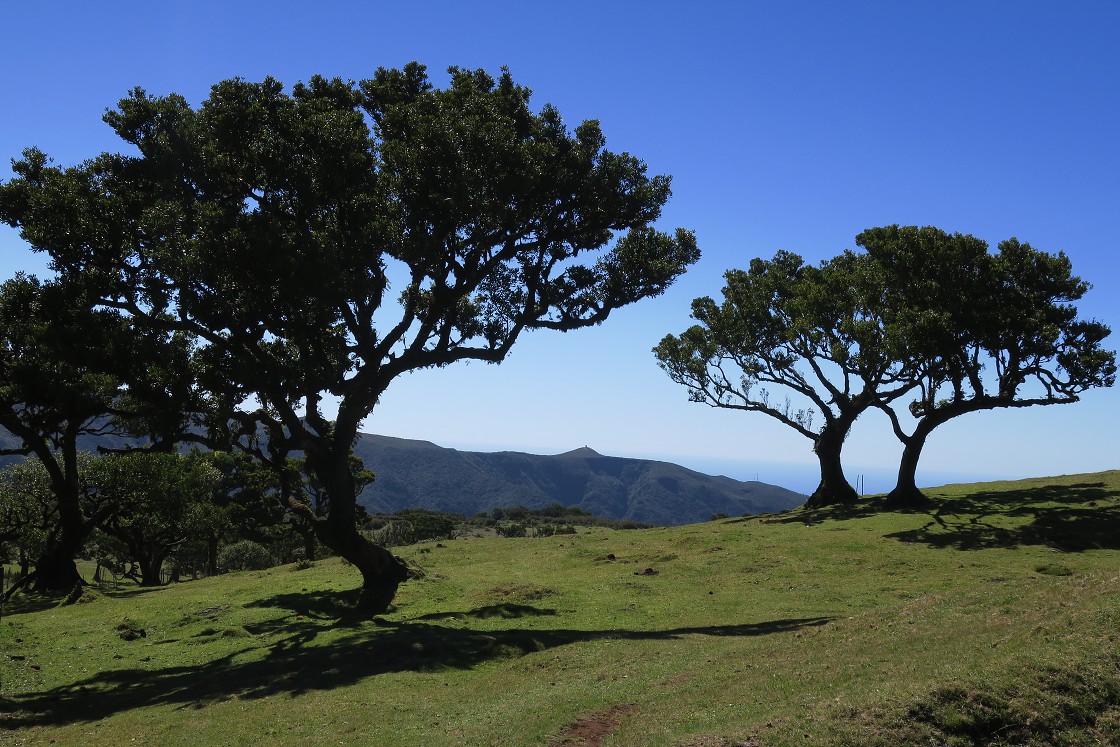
x=1065 y=518
x=25 y=603
x=1068 y=518
x=861 y=509
x=506 y=610
x=296 y=667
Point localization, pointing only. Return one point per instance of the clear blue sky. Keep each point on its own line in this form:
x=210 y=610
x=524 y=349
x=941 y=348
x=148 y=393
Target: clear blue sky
x=789 y=125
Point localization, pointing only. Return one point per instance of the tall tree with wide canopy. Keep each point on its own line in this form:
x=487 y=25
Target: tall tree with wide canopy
x=988 y=330
x=324 y=242
x=811 y=332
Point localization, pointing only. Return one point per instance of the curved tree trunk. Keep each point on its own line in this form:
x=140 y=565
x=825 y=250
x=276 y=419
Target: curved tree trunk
x=833 y=488
x=382 y=572
x=906 y=493
x=56 y=571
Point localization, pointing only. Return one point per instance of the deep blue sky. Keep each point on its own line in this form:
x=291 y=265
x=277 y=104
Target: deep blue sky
x=788 y=125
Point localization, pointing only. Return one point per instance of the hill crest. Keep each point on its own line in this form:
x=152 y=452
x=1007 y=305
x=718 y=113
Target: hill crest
x=420 y=474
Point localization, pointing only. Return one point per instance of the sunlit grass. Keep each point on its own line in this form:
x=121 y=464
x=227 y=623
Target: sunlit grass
x=836 y=626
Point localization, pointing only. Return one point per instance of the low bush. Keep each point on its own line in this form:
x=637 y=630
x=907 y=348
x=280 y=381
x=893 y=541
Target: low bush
x=245 y=555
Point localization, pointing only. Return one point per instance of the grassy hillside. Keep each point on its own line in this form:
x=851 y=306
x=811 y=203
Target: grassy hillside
x=994 y=618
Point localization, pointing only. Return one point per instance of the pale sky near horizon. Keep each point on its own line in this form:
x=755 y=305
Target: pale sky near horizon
x=789 y=125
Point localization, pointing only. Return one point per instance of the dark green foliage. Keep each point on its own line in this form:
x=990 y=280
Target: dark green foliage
x=157 y=502
x=414 y=525
x=428 y=524
x=812 y=333
x=984 y=330
x=55 y=387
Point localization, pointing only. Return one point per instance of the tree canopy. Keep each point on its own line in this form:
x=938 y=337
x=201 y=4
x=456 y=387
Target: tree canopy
x=325 y=241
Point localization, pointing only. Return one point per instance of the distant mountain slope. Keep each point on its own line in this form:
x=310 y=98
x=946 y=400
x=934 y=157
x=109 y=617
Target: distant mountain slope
x=420 y=474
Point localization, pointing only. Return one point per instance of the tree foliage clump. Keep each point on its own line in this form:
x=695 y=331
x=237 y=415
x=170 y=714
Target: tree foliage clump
x=158 y=501
x=245 y=555
x=321 y=242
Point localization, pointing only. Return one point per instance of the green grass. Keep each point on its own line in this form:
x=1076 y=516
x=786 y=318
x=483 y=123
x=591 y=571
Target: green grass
x=993 y=618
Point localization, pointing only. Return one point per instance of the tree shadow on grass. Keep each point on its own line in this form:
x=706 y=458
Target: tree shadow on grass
x=862 y=509
x=506 y=610
x=25 y=603
x=1068 y=518
x=294 y=667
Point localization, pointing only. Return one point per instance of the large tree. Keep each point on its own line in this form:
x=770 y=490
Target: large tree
x=324 y=242
x=988 y=330
x=811 y=333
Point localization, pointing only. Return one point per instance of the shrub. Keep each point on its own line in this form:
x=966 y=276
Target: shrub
x=245 y=555
x=512 y=530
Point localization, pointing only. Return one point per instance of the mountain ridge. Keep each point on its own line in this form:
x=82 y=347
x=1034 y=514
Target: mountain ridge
x=420 y=474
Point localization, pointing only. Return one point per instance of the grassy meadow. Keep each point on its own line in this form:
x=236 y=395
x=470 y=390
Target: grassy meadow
x=991 y=619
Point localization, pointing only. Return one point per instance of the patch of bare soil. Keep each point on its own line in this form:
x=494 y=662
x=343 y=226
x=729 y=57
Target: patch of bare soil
x=591 y=731
x=706 y=741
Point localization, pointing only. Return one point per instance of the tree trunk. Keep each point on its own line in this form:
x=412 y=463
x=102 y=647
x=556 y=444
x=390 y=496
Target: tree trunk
x=309 y=543
x=382 y=572
x=833 y=488
x=55 y=570
x=905 y=493
x=150 y=568
x=212 y=556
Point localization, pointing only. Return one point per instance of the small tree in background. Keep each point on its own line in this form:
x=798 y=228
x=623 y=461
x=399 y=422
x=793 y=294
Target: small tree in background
x=28 y=513
x=159 y=501
x=248 y=501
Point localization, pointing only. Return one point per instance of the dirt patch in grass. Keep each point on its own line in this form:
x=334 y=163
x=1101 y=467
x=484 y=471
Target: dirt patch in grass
x=709 y=741
x=514 y=593
x=591 y=731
